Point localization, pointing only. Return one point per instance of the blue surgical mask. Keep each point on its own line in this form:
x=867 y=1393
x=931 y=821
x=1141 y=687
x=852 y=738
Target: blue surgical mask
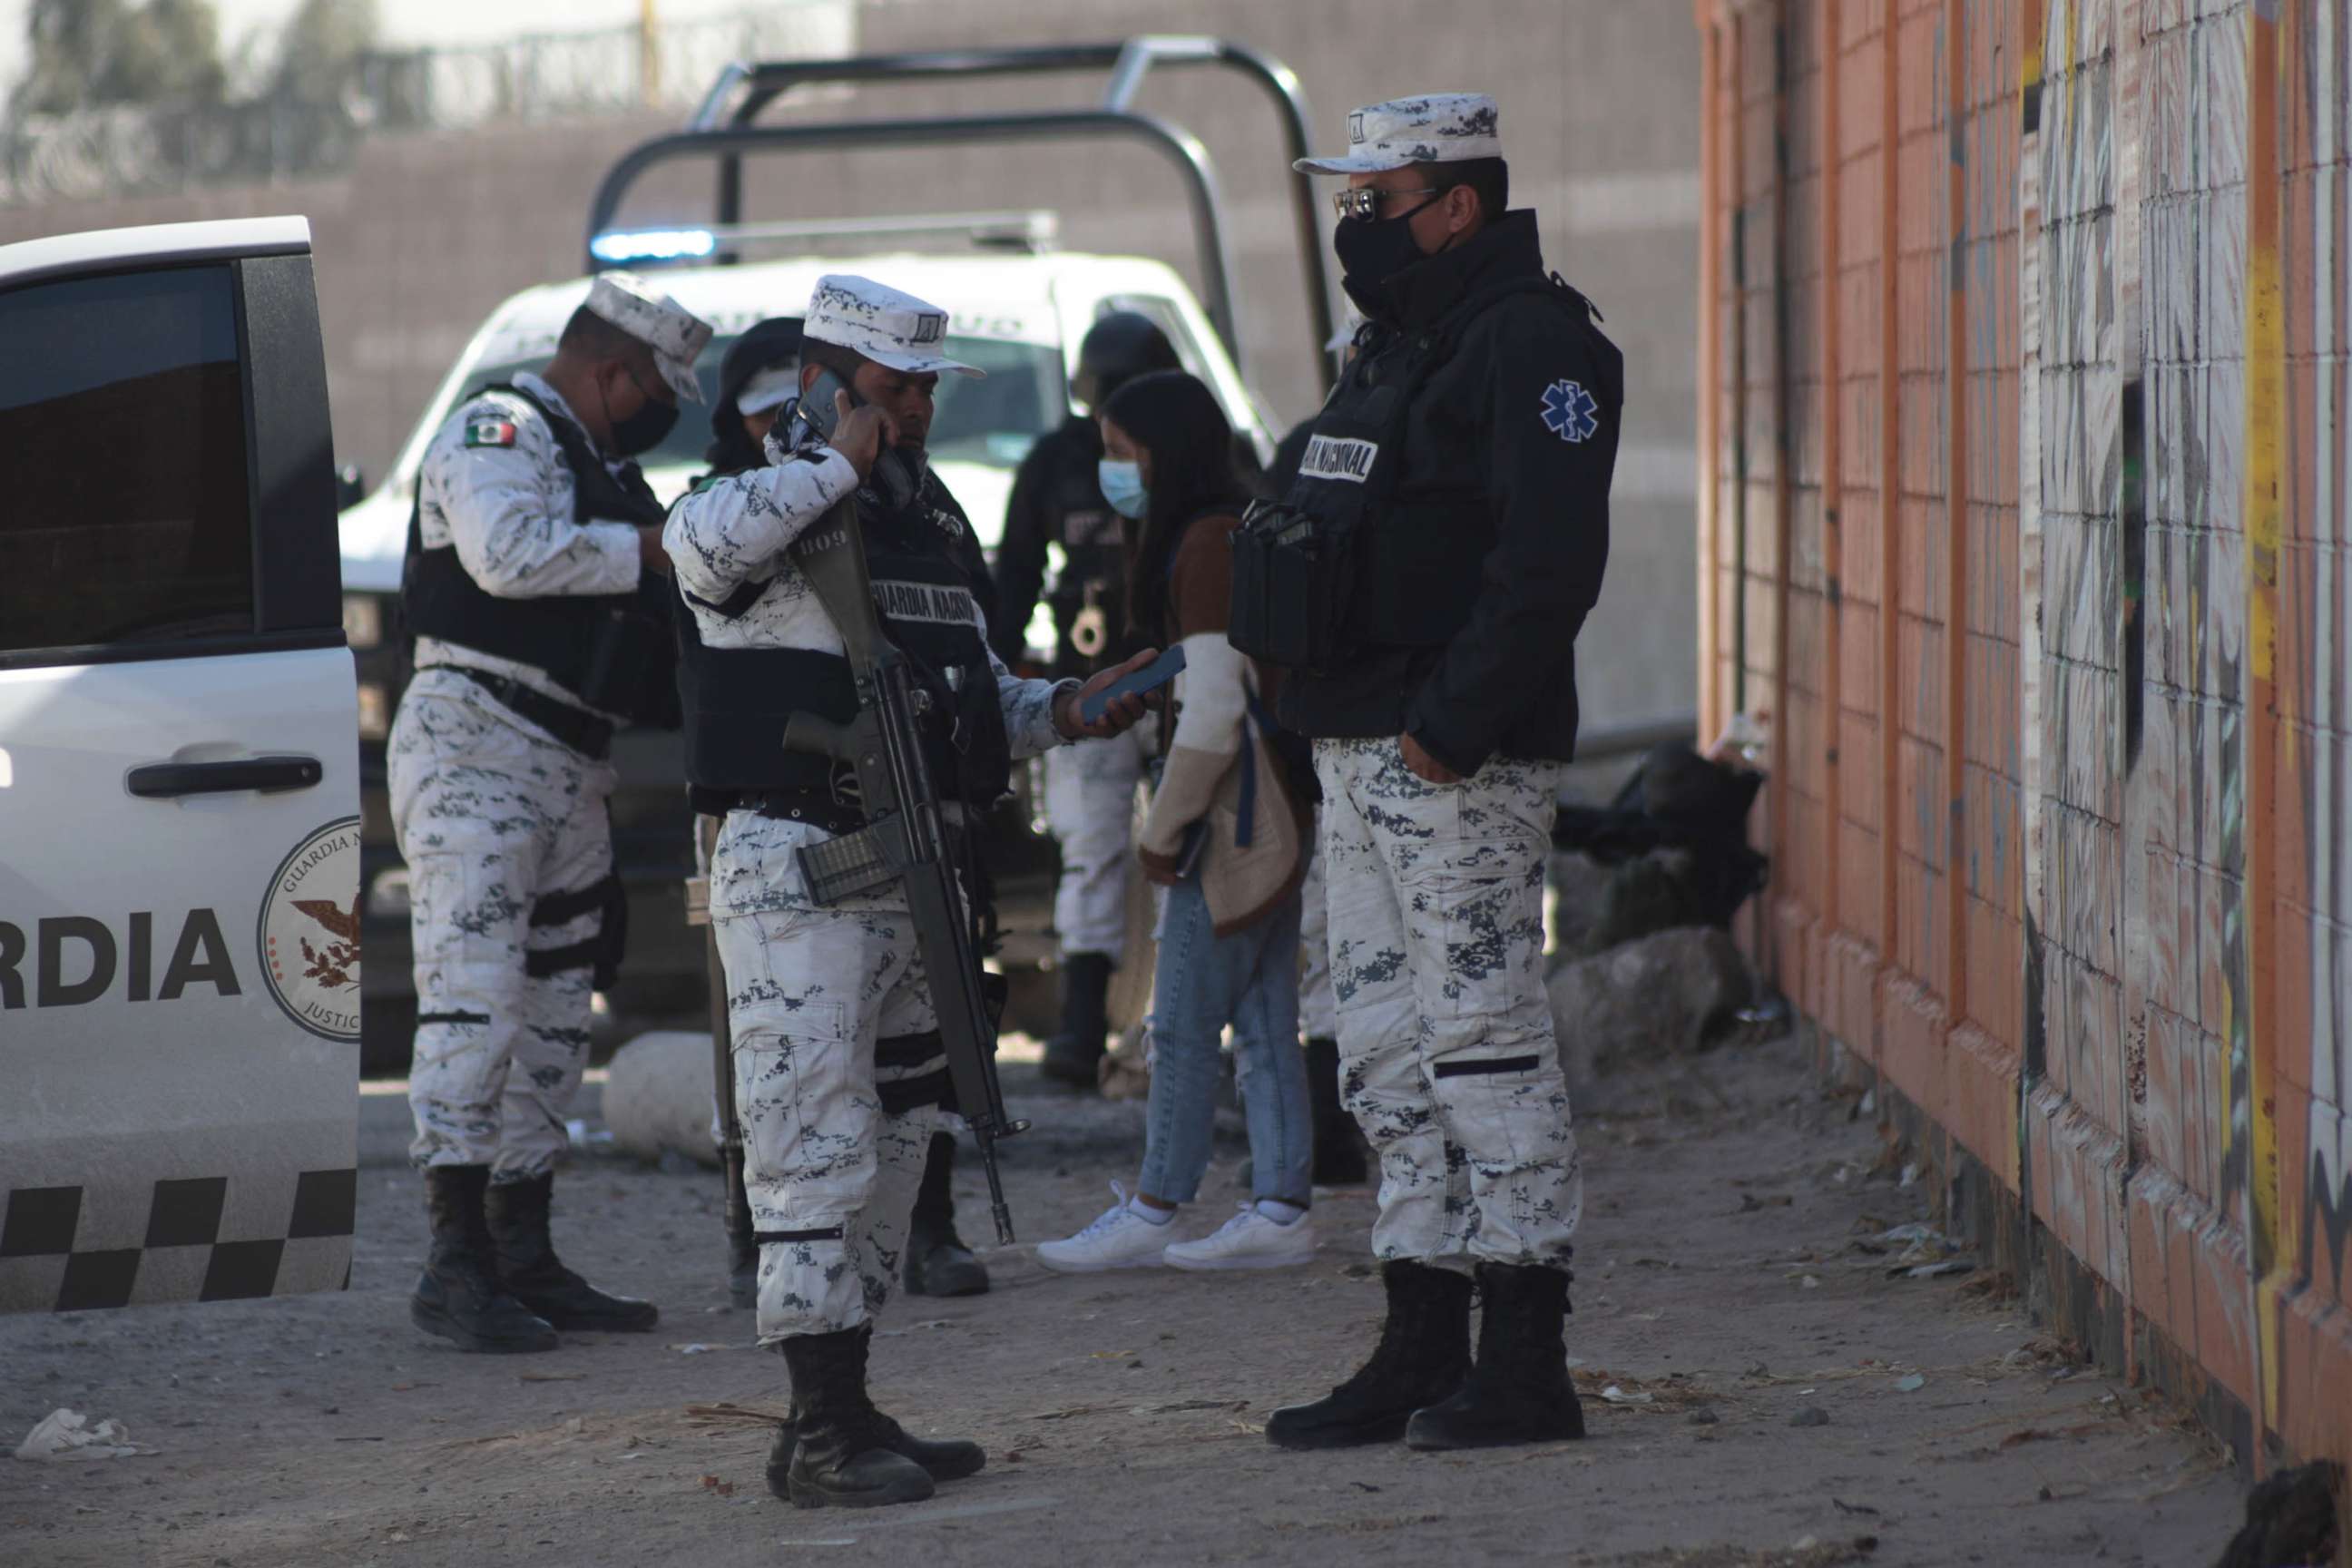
x=1122 y=485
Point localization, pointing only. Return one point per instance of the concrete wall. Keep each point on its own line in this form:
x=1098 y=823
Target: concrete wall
x=426 y=233
x=2024 y=479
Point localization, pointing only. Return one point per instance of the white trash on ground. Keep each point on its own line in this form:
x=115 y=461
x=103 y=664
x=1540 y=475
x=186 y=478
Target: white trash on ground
x=67 y=1435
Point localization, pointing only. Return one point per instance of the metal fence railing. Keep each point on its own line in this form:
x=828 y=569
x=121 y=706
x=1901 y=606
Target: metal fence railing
x=313 y=127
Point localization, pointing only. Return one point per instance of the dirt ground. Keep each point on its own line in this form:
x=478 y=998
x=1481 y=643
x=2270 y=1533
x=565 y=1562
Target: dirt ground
x=1729 y=1280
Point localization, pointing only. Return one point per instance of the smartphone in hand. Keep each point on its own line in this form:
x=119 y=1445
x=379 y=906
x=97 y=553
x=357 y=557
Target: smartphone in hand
x=1150 y=677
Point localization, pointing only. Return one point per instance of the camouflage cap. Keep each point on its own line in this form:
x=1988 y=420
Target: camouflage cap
x=885 y=325
x=676 y=334
x=1435 y=128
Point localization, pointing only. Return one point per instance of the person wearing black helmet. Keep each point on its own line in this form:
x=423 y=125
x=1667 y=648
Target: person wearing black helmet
x=1089 y=788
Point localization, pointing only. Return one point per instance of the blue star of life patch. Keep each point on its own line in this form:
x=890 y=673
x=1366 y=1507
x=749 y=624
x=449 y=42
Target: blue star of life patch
x=1569 y=411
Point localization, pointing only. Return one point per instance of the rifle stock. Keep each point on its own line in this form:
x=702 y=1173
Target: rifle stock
x=905 y=828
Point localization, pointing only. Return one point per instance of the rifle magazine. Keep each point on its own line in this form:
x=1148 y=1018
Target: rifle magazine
x=846 y=867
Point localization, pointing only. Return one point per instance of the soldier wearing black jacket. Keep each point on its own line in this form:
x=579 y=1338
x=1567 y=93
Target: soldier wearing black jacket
x=1464 y=461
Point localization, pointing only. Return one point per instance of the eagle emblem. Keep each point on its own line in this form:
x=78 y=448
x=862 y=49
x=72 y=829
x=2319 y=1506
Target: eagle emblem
x=332 y=964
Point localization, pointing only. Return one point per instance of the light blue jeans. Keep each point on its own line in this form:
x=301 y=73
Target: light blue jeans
x=1204 y=982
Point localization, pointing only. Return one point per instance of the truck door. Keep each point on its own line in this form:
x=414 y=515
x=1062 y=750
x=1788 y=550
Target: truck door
x=179 y=794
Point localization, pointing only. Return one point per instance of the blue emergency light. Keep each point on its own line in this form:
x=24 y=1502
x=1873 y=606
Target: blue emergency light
x=617 y=245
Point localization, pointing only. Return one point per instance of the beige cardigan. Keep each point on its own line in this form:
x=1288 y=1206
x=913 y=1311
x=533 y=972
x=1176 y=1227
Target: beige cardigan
x=1203 y=779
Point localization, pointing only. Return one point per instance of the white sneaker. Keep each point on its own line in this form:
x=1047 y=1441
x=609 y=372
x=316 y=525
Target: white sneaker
x=1249 y=1240
x=1119 y=1238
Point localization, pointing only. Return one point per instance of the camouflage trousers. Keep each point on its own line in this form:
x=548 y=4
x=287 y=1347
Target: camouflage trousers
x=1318 y=1018
x=497 y=821
x=1445 y=1033
x=838 y=1070
x=1090 y=806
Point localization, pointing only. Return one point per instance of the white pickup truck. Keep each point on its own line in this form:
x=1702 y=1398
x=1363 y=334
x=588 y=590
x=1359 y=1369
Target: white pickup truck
x=179 y=784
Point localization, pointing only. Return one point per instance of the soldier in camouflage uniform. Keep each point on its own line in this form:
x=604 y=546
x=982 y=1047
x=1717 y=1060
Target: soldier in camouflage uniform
x=839 y=1069
x=532 y=549
x=1476 y=506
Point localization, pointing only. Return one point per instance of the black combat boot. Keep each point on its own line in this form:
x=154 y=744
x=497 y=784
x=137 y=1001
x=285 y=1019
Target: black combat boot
x=950 y=1460
x=533 y=1275
x=458 y=1297
x=842 y=1453
x=1519 y=1390
x=937 y=1263
x=1339 y=1146
x=1421 y=1357
x=742 y=1251
x=1075 y=1055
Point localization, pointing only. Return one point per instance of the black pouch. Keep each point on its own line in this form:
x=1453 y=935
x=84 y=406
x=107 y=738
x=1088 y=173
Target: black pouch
x=1293 y=578
x=1296 y=560
x=630 y=667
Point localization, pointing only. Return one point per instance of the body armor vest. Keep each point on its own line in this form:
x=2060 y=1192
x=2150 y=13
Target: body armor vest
x=613 y=652
x=1355 y=555
x=737 y=701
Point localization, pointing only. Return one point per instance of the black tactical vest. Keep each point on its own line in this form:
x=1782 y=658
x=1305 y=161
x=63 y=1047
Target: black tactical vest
x=1353 y=555
x=613 y=652
x=737 y=701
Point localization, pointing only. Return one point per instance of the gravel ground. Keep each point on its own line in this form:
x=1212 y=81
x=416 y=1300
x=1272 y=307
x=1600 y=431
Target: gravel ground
x=1779 y=1397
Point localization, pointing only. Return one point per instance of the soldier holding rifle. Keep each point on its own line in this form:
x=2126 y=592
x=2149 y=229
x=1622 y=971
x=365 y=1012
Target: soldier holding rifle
x=842 y=702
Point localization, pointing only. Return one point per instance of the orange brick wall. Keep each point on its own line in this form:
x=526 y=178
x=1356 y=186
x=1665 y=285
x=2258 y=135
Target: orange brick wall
x=2026 y=450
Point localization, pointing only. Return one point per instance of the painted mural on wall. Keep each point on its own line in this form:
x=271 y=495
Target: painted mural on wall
x=2068 y=757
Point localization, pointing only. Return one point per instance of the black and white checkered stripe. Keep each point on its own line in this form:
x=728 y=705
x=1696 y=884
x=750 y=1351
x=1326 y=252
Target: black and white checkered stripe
x=49 y=1256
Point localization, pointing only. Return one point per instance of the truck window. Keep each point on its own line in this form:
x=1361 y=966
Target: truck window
x=127 y=517
x=1164 y=314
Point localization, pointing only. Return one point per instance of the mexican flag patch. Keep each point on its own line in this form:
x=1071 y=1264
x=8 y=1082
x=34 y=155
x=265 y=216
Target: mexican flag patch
x=490 y=433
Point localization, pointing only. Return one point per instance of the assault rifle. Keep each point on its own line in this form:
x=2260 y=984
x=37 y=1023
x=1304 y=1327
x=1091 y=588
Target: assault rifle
x=905 y=839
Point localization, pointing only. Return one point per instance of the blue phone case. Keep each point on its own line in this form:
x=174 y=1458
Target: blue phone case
x=1150 y=677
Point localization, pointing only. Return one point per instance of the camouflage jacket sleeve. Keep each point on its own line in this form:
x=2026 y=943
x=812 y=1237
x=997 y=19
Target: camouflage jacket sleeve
x=1028 y=707
x=728 y=531
x=494 y=485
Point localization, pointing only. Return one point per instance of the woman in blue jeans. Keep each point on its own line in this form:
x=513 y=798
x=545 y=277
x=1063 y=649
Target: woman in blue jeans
x=1227 y=839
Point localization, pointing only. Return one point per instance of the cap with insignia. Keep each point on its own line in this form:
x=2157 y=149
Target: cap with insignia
x=1435 y=128
x=885 y=325
x=676 y=334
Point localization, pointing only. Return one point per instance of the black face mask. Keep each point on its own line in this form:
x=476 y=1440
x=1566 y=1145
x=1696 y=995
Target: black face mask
x=644 y=430
x=641 y=431
x=1373 y=250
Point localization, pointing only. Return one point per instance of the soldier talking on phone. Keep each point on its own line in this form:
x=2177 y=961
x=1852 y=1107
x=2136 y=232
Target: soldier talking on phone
x=840 y=1058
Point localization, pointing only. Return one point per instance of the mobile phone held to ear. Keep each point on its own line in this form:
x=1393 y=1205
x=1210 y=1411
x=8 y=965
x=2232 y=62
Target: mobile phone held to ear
x=1150 y=677
x=816 y=405
x=898 y=475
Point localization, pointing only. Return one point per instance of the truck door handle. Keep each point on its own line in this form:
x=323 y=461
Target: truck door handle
x=166 y=781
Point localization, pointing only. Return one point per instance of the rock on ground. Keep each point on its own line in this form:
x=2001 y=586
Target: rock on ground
x=658 y=1096
x=1661 y=996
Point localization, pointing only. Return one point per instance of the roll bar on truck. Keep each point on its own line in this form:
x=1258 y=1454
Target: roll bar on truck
x=724 y=129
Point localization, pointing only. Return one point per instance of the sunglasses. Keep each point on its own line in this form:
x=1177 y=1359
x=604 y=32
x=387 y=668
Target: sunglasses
x=1363 y=202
